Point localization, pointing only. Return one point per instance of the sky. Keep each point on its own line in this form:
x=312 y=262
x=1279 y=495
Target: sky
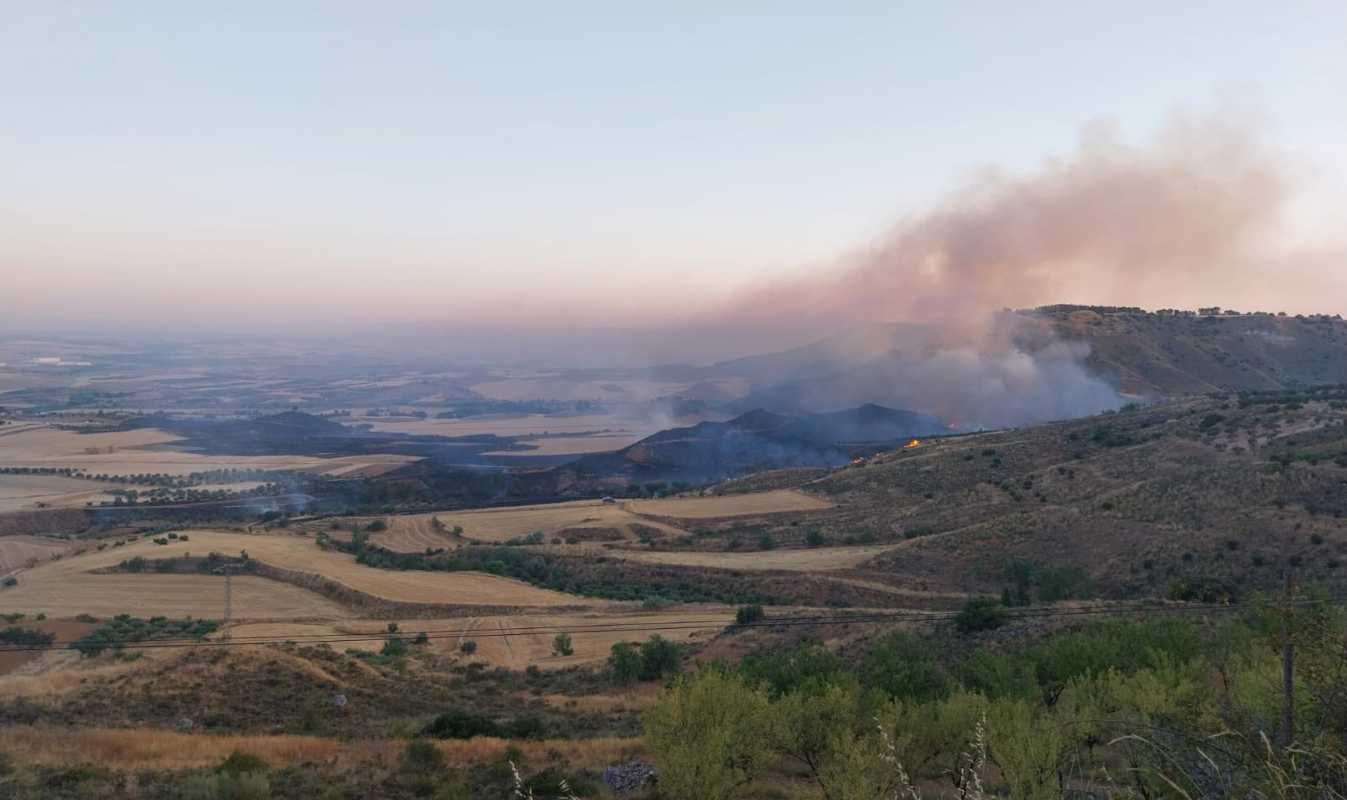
x=328 y=166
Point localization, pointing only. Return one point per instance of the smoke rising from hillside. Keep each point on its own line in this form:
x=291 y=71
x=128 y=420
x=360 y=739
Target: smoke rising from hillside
x=1193 y=218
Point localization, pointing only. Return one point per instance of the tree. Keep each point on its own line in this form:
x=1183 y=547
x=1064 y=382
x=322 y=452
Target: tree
x=980 y=614
x=710 y=733
x=747 y=615
x=561 y=645
x=904 y=667
x=625 y=663
x=659 y=657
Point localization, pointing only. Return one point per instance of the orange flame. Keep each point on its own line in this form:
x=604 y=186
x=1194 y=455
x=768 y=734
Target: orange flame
x=912 y=444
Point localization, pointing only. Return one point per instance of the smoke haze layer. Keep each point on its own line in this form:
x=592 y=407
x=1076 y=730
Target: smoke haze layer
x=1195 y=218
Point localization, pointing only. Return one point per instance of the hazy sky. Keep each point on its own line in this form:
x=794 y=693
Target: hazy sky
x=291 y=165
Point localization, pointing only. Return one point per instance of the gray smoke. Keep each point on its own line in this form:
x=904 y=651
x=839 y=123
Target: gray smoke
x=1194 y=218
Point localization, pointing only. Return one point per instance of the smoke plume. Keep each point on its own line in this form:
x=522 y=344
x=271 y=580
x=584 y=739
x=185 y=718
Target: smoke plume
x=1193 y=218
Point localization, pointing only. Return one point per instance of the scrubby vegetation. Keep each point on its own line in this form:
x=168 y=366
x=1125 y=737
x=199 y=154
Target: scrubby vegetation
x=1157 y=708
x=125 y=629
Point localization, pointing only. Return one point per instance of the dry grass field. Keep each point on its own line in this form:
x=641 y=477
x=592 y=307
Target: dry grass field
x=520 y=640
x=731 y=505
x=820 y=559
x=132 y=452
x=411 y=533
x=573 y=445
x=25 y=492
x=512 y=425
x=132 y=750
x=62 y=588
x=17 y=552
x=56 y=592
x=414 y=532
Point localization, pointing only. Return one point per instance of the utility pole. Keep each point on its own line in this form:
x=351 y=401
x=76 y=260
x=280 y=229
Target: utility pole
x=1287 y=731
x=228 y=571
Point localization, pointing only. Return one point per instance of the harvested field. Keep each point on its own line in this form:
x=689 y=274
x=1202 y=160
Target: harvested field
x=132 y=750
x=64 y=631
x=816 y=559
x=17 y=552
x=26 y=492
x=513 y=425
x=522 y=640
x=732 y=505
x=63 y=594
x=407 y=532
x=55 y=583
x=134 y=452
x=573 y=445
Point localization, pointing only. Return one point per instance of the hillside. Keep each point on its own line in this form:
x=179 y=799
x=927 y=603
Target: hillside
x=1173 y=353
x=1207 y=495
x=1138 y=353
x=755 y=440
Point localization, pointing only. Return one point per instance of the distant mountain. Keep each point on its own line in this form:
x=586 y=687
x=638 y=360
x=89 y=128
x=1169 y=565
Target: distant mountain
x=753 y=441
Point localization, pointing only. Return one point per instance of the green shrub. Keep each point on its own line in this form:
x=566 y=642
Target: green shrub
x=659 y=657
x=458 y=724
x=903 y=666
x=785 y=671
x=240 y=762
x=747 y=615
x=468 y=647
x=422 y=756
x=814 y=538
x=561 y=645
x=528 y=726
x=980 y=614
x=625 y=663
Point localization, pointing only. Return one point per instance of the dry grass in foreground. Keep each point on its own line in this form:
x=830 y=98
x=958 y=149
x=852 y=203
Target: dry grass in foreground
x=131 y=750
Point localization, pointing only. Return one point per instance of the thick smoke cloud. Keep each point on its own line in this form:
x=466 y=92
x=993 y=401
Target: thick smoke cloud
x=1193 y=218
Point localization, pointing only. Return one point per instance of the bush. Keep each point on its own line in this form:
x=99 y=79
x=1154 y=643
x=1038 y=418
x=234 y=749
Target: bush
x=980 y=614
x=240 y=762
x=710 y=734
x=459 y=724
x=659 y=657
x=625 y=663
x=528 y=726
x=244 y=786
x=814 y=538
x=784 y=671
x=561 y=645
x=468 y=647
x=376 y=526
x=747 y=615
x=422 y=756
x=9 y=581
x=903 y=666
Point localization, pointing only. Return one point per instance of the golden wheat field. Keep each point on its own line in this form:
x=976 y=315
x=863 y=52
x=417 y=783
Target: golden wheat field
x=60 y=594
x=412 y=532
x=516 y=640
x=26 y=492
x=775 y=501
x=62 y=584
x=21 y=551
x=818 y=559
x=141 y=451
